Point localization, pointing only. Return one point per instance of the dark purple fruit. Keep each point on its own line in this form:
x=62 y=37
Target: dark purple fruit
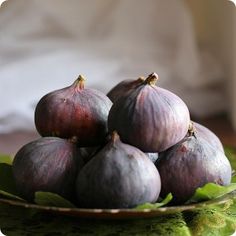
x=190 y=164
x=74 y=112
x=118 y=176
x=207 y=135
x=150 y=118
x=123 y=88
x=48 y=164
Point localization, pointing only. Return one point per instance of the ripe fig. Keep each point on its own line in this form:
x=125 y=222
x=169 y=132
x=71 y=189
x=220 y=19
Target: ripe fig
x=118 y=176
x=207 y=134
x=150 y=118
x=123 y=88
x=74 y=112
x=48 y=164
x=190 y=164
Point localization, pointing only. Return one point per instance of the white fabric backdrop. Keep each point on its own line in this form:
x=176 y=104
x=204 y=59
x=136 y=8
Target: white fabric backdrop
x=45 y=45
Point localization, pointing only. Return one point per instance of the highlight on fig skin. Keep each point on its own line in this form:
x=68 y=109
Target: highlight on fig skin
x=74 y=112
x=124 y=88
x=199 y=130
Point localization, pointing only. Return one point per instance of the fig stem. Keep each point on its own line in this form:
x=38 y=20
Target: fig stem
x=73 y=139
x=115 y=136
x=152 y=79
x=141 y=79
x=192 y=129
x=79 y=82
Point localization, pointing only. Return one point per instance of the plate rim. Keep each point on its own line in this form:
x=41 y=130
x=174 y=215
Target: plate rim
x=120 y=213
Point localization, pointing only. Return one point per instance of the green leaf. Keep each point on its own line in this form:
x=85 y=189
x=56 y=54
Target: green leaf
x=51 y=199
x=148 y=205
x=12 y=196
x=6 y=159
x=211 y=191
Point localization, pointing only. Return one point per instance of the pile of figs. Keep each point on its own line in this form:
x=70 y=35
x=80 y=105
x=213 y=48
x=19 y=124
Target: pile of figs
x=134 y=145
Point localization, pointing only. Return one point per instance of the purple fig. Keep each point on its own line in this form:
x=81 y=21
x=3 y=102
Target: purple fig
x=150 y=118
x=190 y=164
x=48 y=164
x=74 y=112
x=118 y=176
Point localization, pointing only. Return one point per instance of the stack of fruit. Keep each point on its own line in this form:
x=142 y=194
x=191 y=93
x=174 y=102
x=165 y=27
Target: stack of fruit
x=133 y=146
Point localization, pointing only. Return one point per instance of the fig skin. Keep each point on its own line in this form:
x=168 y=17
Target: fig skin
x=150 y=118
x=190 y=164
x=207 y=135
x=119 y=176
x=47 y=164
x=123 y=88
x=74 y=112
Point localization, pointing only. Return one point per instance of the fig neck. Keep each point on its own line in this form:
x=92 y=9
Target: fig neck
x=79 y=83
x=151 y=79
x=115 y=137
x=192 y=130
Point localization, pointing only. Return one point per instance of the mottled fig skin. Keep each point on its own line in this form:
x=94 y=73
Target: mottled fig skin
x=190 y=164
x=208 y=135
x=150 y=118
x=123 y=88
x=119 y=176
x=74 y=112
x=48 y=164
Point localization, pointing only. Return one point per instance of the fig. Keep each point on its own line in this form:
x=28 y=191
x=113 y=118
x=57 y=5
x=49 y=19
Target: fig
x=74 y=112
x=118 y=176
x=47 y=164
x=207 y=134
x=149 y=117
x=190 y=164
x=123 y=88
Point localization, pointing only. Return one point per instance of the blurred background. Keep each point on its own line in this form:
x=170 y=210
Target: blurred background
x=45 y=45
